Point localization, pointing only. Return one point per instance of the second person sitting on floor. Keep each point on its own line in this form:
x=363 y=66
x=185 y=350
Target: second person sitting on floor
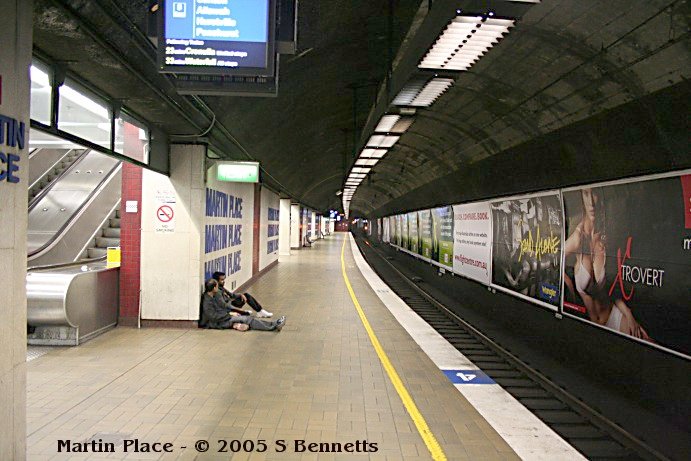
x=215 y=314
x=237 y=300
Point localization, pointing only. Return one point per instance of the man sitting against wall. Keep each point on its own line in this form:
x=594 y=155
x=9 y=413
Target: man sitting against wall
x=215 y=314
x=235 y=301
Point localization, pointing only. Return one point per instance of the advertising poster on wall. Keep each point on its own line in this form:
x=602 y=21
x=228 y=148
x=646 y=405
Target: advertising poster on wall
x=627 y=259
x=413 y=238
x=404 y=231
x=397 y=230
x=526 y=256
x=471 y=243
x=386 y=231
x=425 y=226
x=442 y=235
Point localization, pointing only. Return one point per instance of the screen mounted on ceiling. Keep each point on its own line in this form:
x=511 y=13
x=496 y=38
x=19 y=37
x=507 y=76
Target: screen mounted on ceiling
x=227 y=37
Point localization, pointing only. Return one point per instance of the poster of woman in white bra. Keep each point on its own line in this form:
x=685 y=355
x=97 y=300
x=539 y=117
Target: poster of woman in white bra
x=625 y=264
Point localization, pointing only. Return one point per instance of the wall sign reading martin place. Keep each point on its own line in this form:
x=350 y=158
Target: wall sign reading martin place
x=229 y=37
x=237 y=171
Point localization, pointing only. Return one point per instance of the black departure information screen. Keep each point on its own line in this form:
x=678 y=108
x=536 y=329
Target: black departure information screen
x=230 y=37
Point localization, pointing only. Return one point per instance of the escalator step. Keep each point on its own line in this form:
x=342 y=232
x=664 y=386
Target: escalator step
x=115 y=222
x=104 y=242
x=97 y=252
x=112 y=232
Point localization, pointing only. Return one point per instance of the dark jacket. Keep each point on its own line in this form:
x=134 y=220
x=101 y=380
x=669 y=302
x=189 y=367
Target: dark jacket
x=214 y=312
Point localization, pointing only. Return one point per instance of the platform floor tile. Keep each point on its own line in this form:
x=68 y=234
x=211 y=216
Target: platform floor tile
x=318 y=381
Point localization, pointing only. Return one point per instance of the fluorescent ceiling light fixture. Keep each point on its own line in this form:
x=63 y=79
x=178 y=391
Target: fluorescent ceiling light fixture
x=356 y=169
x=366 y=161
x=394 y=124
x=422 y=92
x=373 y=153
x=464 y=41
x=381 y=141
x=387 y=123
x=356 y=176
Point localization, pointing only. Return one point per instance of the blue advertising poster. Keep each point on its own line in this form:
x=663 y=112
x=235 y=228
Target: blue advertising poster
x=216 y=33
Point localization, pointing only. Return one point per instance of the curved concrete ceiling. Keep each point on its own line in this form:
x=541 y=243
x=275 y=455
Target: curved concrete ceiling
x=565 y=61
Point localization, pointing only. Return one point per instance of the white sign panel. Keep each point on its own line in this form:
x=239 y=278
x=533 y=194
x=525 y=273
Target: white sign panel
x=471 y=241
x=164 y=221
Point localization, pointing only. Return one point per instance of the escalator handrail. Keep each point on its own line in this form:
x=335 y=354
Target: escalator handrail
x=77 y=212
x=80 y=262
x=49 y=187
x=47 y=172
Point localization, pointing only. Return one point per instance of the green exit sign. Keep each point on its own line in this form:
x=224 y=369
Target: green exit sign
x=238 y=171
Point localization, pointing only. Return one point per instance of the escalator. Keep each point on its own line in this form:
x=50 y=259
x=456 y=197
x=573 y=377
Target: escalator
x=68 y=214
x=74 y=201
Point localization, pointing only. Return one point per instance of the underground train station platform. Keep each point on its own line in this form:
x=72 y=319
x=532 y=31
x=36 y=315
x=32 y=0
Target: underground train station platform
x=318 y=389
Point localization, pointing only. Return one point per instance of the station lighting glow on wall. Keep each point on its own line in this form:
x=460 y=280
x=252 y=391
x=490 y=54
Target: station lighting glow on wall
x=422 y=93
x=464 y=41
x=237 y=171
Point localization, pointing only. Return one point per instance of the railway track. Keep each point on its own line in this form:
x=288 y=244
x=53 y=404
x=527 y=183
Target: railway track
x=588 y=431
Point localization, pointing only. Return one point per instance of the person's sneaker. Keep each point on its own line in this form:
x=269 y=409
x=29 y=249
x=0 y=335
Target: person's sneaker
x=264 y=314
x=280 y=322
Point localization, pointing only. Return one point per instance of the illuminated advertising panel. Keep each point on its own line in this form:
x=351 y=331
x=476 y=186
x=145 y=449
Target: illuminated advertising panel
x=526 y=252
x=413 y=238
x=228 y=37
x=442 y=235
x=472 y=237
x=626 y=259
x=425 y=224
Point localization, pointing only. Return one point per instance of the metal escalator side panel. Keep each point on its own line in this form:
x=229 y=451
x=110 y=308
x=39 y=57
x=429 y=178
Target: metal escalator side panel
x=46 y=296
x=43 y=161
x=67 y=171
x=86 y=302
x=67 y=199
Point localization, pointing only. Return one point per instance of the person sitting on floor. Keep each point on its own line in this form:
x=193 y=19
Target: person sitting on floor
x=215 y=314
x=234 y=301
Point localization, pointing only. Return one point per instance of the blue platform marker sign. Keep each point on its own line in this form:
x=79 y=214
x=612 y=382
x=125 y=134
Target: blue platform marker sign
x=468 y=377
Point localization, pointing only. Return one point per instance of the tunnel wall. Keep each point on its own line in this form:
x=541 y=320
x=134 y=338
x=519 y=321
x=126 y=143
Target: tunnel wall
x=649 y=135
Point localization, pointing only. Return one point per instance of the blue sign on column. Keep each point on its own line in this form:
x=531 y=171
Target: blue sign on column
x=468 y=377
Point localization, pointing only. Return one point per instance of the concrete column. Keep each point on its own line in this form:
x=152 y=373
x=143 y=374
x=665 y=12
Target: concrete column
x=295 y=226
x=314 y=225
x=284 y=228
x=15 y=60
x=172 y=236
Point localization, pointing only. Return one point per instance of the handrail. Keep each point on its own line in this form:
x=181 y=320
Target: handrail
x=80 y=262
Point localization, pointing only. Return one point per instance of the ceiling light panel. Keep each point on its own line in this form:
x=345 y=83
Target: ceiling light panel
x=373 y=153
x=464 y=41
x=435 y=88
x=381 y=141
x=366 y=162
x=387 y=123
x=419 y=93
x=357 y=169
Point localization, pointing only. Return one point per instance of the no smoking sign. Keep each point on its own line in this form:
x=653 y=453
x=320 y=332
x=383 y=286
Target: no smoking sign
x=165 y=213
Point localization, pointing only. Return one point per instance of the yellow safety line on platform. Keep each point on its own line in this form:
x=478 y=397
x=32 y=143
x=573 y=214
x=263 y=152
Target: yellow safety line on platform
x=424 y=430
